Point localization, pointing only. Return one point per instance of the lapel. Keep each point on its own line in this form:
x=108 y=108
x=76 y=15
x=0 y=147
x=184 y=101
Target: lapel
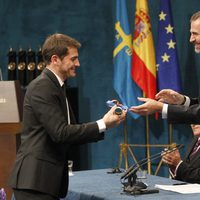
x=190 y=147
x=72 y=116
x=195 y=157
x=52 y=77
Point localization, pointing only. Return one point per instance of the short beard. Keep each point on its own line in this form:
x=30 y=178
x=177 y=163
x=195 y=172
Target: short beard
x=197 y=50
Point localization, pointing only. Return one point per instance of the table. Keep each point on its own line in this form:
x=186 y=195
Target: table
x=99 y=185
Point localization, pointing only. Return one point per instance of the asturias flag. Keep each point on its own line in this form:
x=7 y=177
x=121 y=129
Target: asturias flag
x=143 y=61
x=166 y=55
x=123 y=83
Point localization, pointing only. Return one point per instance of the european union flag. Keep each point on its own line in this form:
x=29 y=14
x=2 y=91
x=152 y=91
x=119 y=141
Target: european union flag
x=126 y=88
x=166 y=55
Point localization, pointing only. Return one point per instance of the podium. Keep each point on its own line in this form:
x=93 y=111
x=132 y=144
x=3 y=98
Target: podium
x=11 y=100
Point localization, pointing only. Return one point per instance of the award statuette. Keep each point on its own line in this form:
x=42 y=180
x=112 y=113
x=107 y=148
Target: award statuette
x=40 y=62
x=30 y=74
x=12 y=64
x=119 y=109
x=22 y=67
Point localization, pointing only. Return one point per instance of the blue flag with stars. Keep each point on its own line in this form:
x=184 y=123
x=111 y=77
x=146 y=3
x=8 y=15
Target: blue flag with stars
x=124 y=85
x=166 y=55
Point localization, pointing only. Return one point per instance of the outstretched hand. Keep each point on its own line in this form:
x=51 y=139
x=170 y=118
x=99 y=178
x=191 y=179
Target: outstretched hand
x=150 y=106
x=170 y=96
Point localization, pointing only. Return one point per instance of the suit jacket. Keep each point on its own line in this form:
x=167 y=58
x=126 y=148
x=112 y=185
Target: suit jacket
x=189 y=170
x=42 y=160
x=183 y=114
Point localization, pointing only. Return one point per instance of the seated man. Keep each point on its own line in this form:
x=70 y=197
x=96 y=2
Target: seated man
x=188 y=169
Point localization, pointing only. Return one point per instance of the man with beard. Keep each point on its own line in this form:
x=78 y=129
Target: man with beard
x=176 y=107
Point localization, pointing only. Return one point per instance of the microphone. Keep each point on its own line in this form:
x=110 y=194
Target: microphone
x=119 y=108
x=133 y=169
x=133 y=187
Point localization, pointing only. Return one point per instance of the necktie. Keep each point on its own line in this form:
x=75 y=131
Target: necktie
x=64 y=92
x=195 y=149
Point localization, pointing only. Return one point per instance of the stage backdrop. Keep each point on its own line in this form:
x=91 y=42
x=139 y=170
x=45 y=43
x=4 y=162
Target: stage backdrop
x=25 y=24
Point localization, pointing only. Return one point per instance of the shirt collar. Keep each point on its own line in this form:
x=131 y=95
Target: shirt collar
x=58 y=78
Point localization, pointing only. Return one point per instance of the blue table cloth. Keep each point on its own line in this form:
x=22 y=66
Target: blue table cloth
x=99 y=185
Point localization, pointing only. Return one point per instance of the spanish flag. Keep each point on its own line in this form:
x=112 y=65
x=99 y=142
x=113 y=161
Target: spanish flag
x=143 y=69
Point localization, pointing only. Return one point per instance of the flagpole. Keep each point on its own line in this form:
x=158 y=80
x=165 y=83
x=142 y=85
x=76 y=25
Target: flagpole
x=125 y=148
x=148 y=145
x=124 y=85
x=170 y=128
x=143 y=69
x=170 y=133
x=168 y=74
x=125 y=144
x=147 y=142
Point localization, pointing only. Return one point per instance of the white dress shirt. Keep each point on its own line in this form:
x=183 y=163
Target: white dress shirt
x=100 y=123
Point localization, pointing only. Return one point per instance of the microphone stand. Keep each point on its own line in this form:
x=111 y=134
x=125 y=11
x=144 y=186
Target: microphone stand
x=132 y=186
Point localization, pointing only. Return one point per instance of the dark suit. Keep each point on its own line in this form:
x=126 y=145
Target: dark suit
x=189 y=170
x=183 y=114
x=41 y=162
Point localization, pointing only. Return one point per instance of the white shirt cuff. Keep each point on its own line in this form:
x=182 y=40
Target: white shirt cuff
x=165 y=107
x=177 y=167
x=187 y=101
x=101 y=125
x=173 y=173
x=164 y=111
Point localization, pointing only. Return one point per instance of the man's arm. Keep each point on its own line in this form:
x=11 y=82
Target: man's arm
x=188 y=112
x=189 y=172
x=184 y=114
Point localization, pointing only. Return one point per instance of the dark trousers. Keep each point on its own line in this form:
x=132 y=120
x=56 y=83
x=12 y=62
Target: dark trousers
x=31 y=195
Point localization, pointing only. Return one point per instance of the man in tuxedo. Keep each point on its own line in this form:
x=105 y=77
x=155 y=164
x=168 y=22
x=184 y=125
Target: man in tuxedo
x=187 y=169
x=176 y=107
x=49 y=128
